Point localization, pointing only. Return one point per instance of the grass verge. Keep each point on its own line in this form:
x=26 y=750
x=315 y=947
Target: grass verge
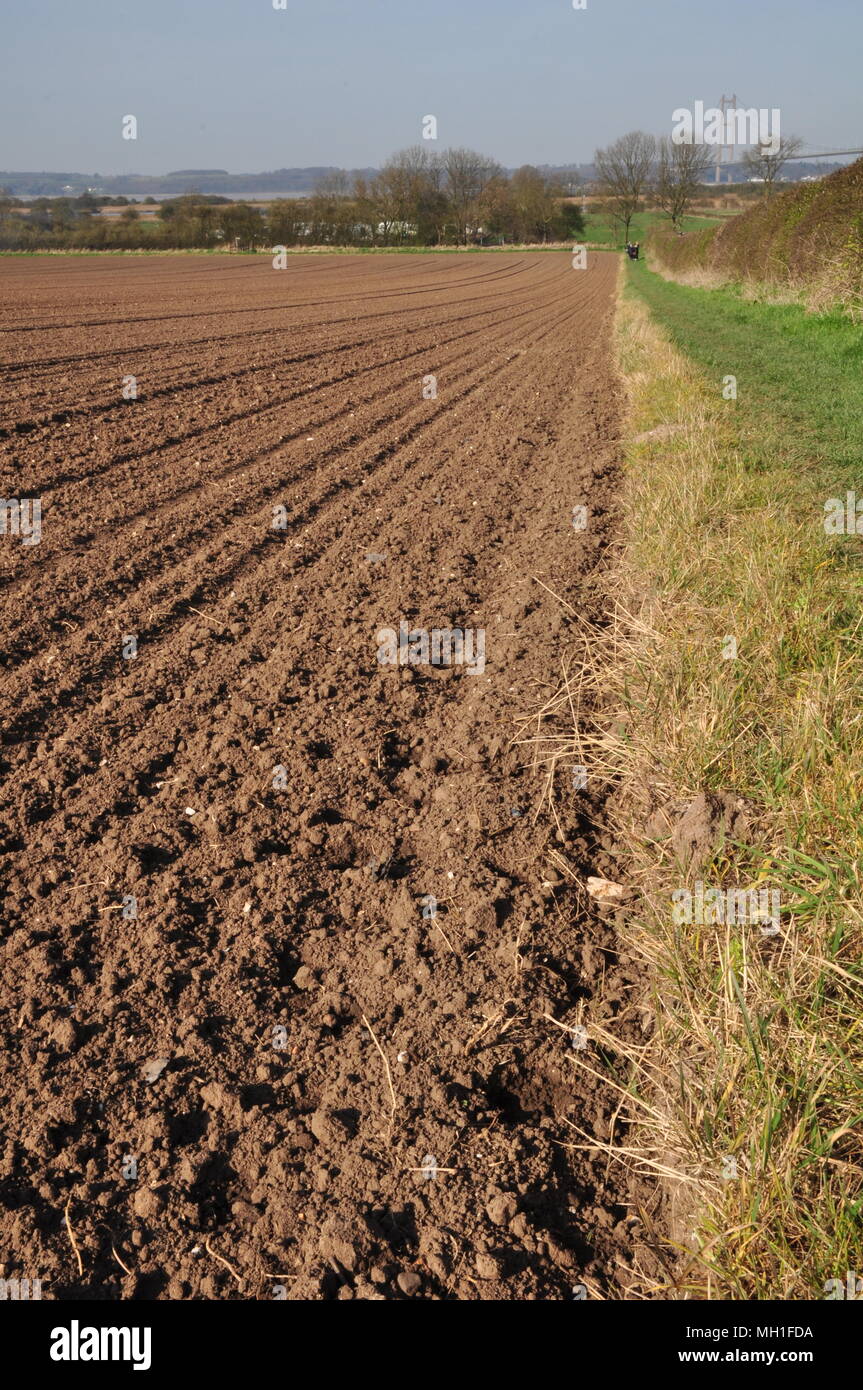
x=599 y=231
x=748 y=1095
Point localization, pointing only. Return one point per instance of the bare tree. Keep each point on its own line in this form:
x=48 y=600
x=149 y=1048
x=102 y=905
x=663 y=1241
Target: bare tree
x=528 y=197
x=407 y=195
x=333 y=184
x=331 y=209
x=467 y=174
x=624 y=171
x=765 y=162
x=680 y=170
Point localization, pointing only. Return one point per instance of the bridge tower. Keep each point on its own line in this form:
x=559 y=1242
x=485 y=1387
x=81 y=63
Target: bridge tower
x=726 y=104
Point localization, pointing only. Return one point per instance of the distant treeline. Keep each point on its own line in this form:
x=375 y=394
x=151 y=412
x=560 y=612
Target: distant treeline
x=274 y=183
x=455 y=198
x=175 y=184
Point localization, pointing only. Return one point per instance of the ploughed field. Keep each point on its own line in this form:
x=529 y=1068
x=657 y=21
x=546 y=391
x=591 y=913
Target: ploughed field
x=286 y=925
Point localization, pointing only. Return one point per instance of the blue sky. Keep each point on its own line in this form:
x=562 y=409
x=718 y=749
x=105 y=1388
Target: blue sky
x=235 y=84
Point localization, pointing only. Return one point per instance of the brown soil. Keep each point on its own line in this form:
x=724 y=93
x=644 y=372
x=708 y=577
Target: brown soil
x=299 y=1160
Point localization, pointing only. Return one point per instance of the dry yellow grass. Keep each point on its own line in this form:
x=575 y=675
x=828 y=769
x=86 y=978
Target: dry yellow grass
x=747 y=1099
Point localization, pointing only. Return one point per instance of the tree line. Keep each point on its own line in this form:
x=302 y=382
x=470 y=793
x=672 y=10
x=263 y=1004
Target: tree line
x=458 y=197
x=638 y=167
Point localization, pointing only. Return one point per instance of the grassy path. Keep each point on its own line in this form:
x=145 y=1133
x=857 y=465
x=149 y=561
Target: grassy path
x=737 y=667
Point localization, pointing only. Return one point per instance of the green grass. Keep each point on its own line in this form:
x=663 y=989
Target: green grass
x=601 y=232
x=757 y=1053
x=799 y=377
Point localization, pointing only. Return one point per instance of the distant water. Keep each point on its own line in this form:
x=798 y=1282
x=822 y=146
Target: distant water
x=262 y=196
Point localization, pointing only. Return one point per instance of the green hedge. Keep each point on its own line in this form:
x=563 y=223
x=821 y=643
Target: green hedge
x=809 y=238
